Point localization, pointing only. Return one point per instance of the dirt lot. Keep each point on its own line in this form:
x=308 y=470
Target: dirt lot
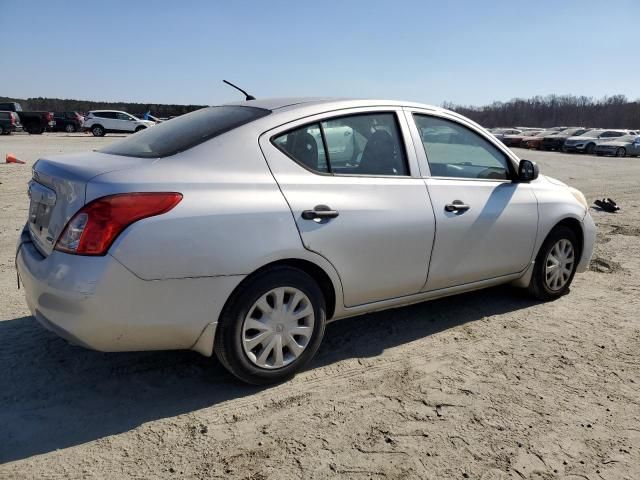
x=487 y=385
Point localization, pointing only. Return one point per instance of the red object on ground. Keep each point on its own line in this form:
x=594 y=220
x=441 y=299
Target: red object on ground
x=11 y=158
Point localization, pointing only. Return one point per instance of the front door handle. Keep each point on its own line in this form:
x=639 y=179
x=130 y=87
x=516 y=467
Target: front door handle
x=319 y=212
x=456 y=206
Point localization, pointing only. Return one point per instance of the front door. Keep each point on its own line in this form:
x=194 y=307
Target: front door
x=486 y=224
x=357 y=199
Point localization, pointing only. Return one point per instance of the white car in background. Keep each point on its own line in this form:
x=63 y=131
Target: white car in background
x=587 y=141
x=101 y=122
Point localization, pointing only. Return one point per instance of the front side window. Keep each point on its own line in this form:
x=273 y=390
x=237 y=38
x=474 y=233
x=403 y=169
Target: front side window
x=364 y=144
x=456 y=151
x=123 y=116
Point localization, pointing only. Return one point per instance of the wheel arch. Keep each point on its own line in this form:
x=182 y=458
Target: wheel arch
x=575 y=226
x=319 y=275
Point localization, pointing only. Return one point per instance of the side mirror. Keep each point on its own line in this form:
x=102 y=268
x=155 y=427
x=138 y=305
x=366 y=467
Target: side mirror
x=527 y=171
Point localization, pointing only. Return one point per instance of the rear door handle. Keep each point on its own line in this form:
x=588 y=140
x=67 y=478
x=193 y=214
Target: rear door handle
x=319 y=212
x=456 y=206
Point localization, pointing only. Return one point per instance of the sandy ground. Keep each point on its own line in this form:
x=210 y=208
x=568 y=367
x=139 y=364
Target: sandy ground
x=488 y=385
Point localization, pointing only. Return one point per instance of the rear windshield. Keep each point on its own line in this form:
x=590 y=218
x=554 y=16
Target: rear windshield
x=184 y=132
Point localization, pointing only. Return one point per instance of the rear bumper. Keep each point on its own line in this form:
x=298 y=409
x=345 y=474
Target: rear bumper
x=98 y=303
x=588 y=243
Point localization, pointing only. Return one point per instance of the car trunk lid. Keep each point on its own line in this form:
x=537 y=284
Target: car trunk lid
x=58 y=190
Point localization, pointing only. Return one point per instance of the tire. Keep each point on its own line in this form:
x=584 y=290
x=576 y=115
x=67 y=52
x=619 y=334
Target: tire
x=98 y=131
x=69 y=128
x=232 y=343
x=139 y=128
x=621 y=152
x=33 y=129
x=590 y=148
x=541 y=286
x=1 y=130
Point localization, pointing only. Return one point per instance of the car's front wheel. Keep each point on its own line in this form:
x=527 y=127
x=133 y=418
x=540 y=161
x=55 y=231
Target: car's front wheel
x=272 y=326
x=621 y=152
x=555 y=264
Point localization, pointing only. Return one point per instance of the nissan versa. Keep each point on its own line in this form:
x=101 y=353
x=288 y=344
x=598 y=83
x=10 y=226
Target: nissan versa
x=243 y=229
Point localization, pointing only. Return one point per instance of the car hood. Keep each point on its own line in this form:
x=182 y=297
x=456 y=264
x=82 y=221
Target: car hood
x=555 y=181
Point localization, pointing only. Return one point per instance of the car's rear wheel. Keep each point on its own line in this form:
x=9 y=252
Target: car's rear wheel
x=69 y=128
x=621 y=152
x=98 y=131
x=1 y=130
x=555 y=264
x=272 y=326
x=34 y=129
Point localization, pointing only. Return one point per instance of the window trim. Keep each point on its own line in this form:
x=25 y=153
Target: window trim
x=330 y=173
x=512 y=172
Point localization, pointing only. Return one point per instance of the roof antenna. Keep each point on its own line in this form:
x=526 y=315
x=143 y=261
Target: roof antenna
x=248 y=97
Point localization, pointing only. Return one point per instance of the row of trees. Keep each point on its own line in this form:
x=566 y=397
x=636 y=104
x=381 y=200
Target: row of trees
x=83 y=106
x=550 y=111
x=556 y=110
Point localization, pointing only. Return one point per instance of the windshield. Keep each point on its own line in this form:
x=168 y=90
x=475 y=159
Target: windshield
x=184 y=132
x=591 y=133
x=571 y=132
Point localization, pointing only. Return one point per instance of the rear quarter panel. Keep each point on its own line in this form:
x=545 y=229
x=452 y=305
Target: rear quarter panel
x=232 y=220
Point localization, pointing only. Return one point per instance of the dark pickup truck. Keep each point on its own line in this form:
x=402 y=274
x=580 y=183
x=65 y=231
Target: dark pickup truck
x=32 y=122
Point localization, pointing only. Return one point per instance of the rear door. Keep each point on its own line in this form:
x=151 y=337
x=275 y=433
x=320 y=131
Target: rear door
x=486 y=224
x=357 y=198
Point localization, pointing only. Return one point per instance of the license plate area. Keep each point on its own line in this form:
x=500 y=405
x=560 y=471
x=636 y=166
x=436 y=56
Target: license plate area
x=43 y=199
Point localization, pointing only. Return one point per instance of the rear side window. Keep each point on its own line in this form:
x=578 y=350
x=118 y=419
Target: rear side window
x=363 y=144
x=305 y=146
x=455 y=151
x=184 y=132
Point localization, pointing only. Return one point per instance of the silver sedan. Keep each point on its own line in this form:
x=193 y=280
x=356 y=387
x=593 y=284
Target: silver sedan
x=242 y=229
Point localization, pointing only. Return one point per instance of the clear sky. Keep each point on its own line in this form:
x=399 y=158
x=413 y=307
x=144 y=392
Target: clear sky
x=178 y=51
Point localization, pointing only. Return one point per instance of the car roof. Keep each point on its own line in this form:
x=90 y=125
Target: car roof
x=292 y=103
x=117 y=111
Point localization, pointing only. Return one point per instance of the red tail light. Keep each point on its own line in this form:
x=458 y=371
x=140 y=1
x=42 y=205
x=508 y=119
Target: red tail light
x=12 y=119
x=93 y=229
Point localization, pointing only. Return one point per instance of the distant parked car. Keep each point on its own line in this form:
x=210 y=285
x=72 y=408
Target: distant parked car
x=9 y=123
x=587 y=141
x=499 y=133
x=620 y=147
x=556 y=141
x=516 y=140
x=148 y=116
x=100 y=122
x=34 y=123
x=67 y=122
x=534 y=141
